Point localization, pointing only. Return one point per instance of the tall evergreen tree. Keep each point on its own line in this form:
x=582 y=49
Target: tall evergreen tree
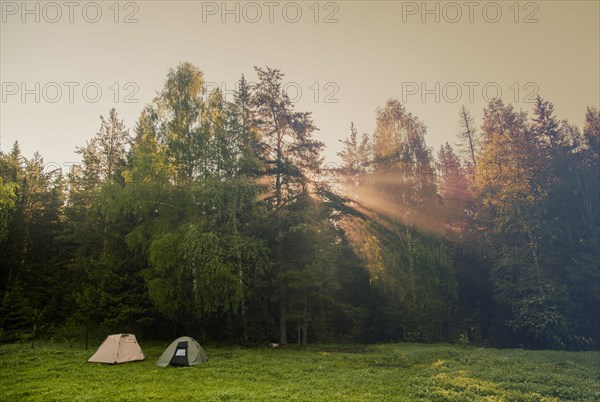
x=292 y=154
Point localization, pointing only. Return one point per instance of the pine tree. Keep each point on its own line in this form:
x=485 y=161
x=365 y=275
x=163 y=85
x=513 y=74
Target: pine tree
x=467 y=134
x=355 y=154
x=293 y=156
x=17 y=315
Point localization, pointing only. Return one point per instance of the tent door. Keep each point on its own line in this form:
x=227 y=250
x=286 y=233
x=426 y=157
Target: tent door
x=180 y=357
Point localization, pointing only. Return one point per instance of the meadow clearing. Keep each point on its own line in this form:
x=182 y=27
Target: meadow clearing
x=409 y=371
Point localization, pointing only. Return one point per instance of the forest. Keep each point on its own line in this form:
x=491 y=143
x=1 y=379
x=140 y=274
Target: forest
x=221 y=220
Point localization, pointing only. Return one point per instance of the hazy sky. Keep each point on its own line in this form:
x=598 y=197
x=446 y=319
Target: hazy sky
x=342 y=60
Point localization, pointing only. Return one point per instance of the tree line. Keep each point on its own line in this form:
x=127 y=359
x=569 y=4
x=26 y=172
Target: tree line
x=220 y=219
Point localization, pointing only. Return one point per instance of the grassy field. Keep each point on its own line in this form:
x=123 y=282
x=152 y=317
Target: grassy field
x=322 y=372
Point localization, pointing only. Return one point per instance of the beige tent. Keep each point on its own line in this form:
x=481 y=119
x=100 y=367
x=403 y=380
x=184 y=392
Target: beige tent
x=118 y=348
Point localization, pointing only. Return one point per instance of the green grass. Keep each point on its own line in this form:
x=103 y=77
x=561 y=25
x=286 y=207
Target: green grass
x=321 y=372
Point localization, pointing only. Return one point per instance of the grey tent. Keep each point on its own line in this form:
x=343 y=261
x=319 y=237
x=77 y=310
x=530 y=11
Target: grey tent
x=184 y=351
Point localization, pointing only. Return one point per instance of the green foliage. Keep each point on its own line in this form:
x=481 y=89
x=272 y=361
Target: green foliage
x=217 y=217
x=218 y=263
x=17 y=314
x=7 y=204
x=528 y=196
x=537 y=308
x=169 y=282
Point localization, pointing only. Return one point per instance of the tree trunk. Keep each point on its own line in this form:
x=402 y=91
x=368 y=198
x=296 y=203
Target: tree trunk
x=33 y=335
x=305 y=319
x=282 y=323
x=533 y=245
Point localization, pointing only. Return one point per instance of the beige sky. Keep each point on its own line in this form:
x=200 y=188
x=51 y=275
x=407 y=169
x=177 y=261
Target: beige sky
x=341 y=71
